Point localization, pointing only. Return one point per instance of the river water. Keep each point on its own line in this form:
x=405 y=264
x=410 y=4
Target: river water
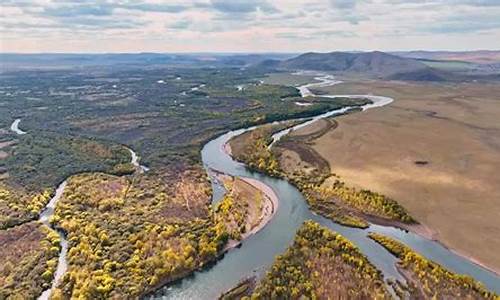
x=257 y=252
x=47 y=214
x=15 y=127
x=62 y=265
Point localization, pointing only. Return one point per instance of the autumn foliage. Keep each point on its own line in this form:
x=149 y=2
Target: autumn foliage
x=321 y=264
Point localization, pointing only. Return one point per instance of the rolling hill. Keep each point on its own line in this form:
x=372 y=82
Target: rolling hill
x=374 y=64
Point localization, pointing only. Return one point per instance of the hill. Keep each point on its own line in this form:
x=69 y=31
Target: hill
x=378 y=64
x=478 y=56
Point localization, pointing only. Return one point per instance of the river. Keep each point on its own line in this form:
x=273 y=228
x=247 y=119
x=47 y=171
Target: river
x=257 y=252
x=15 y=127
x=47 y=214
x=44 y=218
x=62 y=264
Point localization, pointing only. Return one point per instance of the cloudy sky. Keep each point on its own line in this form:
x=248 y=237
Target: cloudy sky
x=247 y=25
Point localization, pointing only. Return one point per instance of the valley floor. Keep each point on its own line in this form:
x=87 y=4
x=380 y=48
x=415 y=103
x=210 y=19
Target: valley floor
x=435 y=150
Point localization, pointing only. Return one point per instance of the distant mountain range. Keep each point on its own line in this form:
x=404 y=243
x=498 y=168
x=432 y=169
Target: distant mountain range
x=410 y=66
x=373 y=64
x=478 y=56
x=14 y=61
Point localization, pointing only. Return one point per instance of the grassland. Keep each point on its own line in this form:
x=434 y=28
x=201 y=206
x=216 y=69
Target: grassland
x=288 y=79
x=293 y=159
x=435 y=150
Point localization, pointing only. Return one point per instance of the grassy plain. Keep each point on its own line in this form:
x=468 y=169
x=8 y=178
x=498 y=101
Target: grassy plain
x=435 y=149
x=292 y=158
x=288 y=79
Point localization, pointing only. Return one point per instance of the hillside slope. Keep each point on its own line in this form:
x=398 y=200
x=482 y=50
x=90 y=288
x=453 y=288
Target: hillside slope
x=378 y=64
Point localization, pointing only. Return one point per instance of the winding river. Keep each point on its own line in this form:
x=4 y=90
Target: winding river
x=15 y=127
x=62 y=264
x=257 y=252
x=46 y=215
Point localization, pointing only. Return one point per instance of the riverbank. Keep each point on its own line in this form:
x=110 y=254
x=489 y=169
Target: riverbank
x=309 y=133
x=427 y=279
x=268 y=210
x=403 y=151
x=258 y=252
x=227 y=149
x=306 y=136
x=268 y=207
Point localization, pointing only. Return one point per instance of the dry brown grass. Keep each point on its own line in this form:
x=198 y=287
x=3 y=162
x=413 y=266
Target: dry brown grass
x=455 y=129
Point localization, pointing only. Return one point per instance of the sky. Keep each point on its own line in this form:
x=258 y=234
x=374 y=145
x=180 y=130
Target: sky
x=83 y=26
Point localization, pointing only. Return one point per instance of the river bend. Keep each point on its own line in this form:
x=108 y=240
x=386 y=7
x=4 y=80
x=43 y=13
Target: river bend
x=257 y=252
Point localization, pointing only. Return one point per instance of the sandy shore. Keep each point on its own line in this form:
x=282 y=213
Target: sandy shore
x=227 y=149
x=269 y=208
x=270 y=205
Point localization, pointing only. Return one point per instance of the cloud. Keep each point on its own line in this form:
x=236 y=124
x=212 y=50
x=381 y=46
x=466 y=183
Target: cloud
x=84 y=8
x=264 y=25
x=242 y=6
x=450 y=3
x=105 y=23
x=182 y=24
x=26 y=25
x=153 y=7
x=343 y=4
x=464 y=24
x=309 y=35
x=78 y=10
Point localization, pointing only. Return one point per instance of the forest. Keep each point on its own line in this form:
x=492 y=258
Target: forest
x=129 y=235
x=79 y=124
x=321 y=263
x=36 y=164
x=29 y=255
x=429 y=280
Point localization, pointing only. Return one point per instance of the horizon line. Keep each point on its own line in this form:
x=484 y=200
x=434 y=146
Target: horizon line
x=236 y=52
